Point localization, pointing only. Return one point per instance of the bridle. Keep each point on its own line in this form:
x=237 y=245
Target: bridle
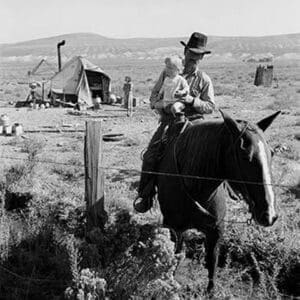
x=248 y=200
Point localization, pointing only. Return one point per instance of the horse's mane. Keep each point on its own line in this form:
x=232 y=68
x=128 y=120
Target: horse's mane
x=199 y=149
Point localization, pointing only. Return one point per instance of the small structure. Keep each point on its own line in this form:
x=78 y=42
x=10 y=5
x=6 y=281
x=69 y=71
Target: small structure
x=264 y=75
x=40 y=77
x=42 y=71
x=79 y=82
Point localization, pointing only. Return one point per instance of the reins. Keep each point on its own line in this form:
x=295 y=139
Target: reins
x=197 y=204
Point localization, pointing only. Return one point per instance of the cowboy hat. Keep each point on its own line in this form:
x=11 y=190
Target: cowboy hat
x=197 y=43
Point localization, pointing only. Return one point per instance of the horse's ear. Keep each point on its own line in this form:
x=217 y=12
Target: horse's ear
x=266 y=122
x=230 y=124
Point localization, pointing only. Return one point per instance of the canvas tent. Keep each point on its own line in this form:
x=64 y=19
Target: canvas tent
x=80 y=81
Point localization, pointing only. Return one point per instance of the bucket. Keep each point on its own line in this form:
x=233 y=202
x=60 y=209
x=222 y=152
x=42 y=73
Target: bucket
x=97 y=103
x=17 y=129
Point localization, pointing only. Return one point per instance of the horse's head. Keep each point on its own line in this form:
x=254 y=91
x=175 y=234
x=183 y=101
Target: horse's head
x=248 y=165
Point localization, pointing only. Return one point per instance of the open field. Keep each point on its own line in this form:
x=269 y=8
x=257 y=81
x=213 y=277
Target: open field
x=42 y=250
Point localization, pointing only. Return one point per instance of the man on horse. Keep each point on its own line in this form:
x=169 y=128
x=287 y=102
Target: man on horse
x=200 y=101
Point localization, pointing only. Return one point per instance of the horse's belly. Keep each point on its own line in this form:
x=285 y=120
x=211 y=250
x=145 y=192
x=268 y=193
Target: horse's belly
x=174 y=206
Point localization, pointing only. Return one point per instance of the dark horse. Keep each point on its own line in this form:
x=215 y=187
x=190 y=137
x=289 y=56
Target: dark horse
x=217 y=150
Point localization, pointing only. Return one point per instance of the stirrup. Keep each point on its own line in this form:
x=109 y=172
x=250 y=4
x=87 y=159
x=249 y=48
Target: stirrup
x=179 y=117
x=184 y=126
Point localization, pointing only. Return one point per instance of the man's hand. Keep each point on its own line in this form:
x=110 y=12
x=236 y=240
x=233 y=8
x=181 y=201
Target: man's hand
x=179 y=94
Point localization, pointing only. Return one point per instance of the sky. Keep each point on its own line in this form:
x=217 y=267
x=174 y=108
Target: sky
x=22 y=20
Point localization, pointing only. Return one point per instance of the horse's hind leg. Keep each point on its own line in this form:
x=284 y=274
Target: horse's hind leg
x=212 y=252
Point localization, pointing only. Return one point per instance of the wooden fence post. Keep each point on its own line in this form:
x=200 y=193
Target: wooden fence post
x=94 y=176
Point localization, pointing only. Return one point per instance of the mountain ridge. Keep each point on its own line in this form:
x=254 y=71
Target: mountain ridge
x=83 y=34
x=98 y=46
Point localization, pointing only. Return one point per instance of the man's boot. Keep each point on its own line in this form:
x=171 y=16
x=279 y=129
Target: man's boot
x=144 y=201
x=179 y=117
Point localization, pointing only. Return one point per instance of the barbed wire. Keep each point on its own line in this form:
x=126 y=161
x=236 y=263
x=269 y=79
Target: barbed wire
x=185 y=176
x=39 y=280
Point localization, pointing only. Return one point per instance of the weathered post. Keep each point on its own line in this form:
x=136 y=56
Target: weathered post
x=94 y=176
x=264 y=76
x=258 y=76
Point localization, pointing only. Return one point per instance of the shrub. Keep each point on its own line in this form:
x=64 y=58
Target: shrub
x=36 y=268
x=4 y=235
x=33 y=146
x=7 y=92
x=89 y=286
x=266 y=260
x=284 y=99
x=18 y=178
x=68 y=173
x=226 y=90
x=132 y=258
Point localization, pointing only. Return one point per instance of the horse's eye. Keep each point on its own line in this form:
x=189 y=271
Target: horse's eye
x=272 y=152
x=245 y=153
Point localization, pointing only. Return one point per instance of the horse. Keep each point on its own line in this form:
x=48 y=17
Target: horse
x=209 y=157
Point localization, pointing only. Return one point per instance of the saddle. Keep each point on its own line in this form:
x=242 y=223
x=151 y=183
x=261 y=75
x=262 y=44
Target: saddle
x=178 y=125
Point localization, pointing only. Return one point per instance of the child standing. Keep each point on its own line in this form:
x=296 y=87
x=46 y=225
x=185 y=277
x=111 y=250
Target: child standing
x=173 y=89
x=128 y=97
x=127 y=89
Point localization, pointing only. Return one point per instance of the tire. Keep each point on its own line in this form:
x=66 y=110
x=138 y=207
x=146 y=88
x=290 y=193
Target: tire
x=113 y=137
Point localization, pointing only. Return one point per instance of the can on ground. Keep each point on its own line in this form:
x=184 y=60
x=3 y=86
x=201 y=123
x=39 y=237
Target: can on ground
x=8 y=130
x=17 y=129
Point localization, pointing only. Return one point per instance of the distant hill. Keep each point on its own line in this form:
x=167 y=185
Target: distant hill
x=95 y=46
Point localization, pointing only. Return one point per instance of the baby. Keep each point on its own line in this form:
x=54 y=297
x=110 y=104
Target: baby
x=173 y=89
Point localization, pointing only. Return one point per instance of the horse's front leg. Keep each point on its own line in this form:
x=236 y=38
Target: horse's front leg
x=212 y=254
x=176 y=237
